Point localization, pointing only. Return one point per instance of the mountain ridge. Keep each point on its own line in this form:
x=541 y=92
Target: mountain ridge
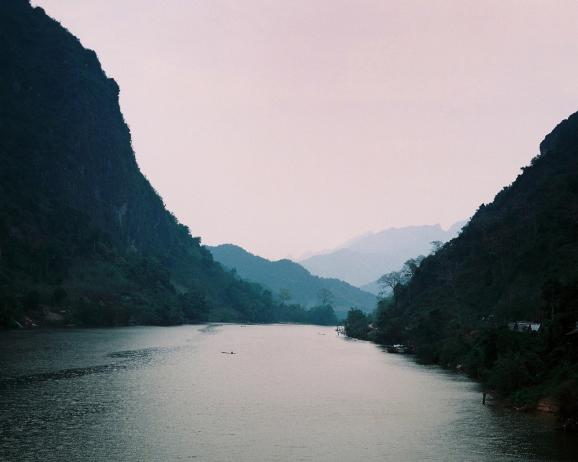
x=363 y=259
x=286 y=275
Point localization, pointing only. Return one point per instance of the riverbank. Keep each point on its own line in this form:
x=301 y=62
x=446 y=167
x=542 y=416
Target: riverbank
x=525 y=372
x=50 y=317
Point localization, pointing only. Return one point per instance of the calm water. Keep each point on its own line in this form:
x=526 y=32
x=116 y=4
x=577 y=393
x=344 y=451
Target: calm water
x=290 y=393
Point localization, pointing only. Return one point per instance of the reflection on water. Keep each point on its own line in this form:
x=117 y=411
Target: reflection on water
x=131 y=358
x=288 y=393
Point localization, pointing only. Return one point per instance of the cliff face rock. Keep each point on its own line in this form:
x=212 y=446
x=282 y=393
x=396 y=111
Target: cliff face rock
x=76 y=212
x=62 y=117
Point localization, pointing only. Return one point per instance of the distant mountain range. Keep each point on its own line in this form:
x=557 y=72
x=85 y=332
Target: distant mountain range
x=291 y=279
x=362 y=260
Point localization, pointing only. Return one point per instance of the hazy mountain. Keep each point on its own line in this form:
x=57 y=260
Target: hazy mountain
x=82 y=231
x=362 y=260
x=372 y=288
x=292 y=278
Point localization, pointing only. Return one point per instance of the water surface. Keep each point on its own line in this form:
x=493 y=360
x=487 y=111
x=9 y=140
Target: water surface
x=289 y=393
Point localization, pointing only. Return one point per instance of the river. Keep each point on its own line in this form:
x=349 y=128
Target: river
x=289 y=393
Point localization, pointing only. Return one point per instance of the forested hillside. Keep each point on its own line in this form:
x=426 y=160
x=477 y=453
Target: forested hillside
x=84 y=237
x=289 y=281
x=517 y=259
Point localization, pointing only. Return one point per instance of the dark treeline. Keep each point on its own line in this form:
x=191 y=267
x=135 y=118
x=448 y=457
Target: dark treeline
x=516 y=260
x=84 y=238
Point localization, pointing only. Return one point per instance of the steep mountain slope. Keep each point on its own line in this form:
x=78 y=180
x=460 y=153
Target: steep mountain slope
x=525 y=238
x=81 y=229
x=362 y=260
x=292 y=279
x=517 y=259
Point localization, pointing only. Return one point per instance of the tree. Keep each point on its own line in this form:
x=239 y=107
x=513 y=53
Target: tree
x=326 y=297
x=410 y=267
x=356 y=325
x=435 y=246
x=388 y=282
x=285 y=295
x=58 y=295
x=322 y=315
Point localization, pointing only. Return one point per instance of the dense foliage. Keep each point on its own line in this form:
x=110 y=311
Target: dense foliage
x=84 y=238
x=515 y=260
x=356 y=324
x=289 y=281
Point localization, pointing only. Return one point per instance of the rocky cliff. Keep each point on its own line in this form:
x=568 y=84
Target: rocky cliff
x=82 y=231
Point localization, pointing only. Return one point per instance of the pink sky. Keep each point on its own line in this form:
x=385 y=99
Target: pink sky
x=289 y=126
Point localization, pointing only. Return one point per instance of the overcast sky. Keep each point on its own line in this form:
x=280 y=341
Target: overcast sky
x=289 y=126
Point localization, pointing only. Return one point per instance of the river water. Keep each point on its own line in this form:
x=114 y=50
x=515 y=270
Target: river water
x=289 y=393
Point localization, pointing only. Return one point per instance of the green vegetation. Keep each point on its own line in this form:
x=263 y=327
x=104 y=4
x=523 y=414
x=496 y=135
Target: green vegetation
x=357 y=324
x=322 y=315
x=515 y=260
x=84 y=238
x=289 y=281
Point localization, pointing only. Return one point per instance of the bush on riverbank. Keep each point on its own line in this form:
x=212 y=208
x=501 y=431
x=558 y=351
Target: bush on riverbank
x=521 y=368
x=357 y=324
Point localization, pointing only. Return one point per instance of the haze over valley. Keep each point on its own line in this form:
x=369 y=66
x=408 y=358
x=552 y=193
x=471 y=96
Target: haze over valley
x=362 y=260
x=134 y=134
